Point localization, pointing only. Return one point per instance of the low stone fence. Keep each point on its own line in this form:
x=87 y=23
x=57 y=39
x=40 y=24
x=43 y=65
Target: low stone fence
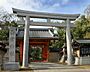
x=85 y=60
x=82 y=60
x=1 y=57
x=53 y=57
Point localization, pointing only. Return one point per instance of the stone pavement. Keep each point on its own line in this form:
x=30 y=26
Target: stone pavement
x=43 y=66
x=52 y=67
x=54 y=70
x=63 y=70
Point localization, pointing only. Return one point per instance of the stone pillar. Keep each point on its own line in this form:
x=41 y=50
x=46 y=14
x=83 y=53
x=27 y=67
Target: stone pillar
x=26 y=43
x=68 y=40
x=12 y=65
x=12 y=44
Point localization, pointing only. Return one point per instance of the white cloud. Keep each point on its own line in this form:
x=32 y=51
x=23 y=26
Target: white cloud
x=53 y=8
x=56 y=5
x=21 y=4
x=2 y=2
x=65 y=1
x=27 y=4
x=35 y=5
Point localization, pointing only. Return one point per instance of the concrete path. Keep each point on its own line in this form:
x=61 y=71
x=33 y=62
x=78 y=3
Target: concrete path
x=43 y=66
x=54 y=67
x=51 y=67
x=63 y=70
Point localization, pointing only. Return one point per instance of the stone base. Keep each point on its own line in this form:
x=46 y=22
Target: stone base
x=11 y=66
x=77 y=61
x=85 y=60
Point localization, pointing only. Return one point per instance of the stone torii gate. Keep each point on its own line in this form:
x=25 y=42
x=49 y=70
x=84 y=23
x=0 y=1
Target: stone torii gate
x=25 y=19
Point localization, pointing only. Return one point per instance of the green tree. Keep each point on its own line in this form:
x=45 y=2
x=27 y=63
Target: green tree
x=79 y=32
x=59 y=43
x=82 y=27
x=87 y=12
x=6 y=20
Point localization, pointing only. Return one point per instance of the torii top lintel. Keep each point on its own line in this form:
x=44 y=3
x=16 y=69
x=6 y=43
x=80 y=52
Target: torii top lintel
x=23 y=13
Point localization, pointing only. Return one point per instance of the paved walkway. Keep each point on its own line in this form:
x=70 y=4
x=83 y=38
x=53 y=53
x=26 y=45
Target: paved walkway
x=51 y=67
x=54 y=67
x=63 y=70
x=43 y=66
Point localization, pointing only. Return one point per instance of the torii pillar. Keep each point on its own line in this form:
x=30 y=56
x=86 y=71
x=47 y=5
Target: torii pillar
x=68 y=39
x=26 y=43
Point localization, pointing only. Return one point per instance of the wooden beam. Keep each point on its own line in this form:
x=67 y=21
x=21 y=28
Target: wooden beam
x=46 y=24
x=23 y=13
x=83 y=41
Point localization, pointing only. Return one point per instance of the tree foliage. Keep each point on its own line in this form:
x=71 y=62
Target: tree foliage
x=59 y=43
x=82 y=27
x=3 y=35
x=6 y=20
x=87 y=12
x=79 y=32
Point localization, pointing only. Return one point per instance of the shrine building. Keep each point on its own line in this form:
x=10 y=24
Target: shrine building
x=39 y=39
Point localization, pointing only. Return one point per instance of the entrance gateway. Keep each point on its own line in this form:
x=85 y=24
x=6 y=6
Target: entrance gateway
x=25 y=19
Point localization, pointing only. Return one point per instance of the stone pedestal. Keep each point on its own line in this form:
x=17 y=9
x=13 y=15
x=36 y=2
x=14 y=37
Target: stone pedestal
x=85 y=60
x=77 y=61
x=11 y=66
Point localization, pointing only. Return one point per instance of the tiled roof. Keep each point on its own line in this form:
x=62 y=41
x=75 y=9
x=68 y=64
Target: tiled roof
x=37 y=33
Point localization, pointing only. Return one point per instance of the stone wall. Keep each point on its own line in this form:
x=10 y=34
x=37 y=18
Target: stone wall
x=1 y=56
x=53 y=57
x=6 y=57
x=85 y=60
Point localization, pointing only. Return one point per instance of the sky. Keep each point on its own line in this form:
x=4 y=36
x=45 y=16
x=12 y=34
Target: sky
x=51 y=6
